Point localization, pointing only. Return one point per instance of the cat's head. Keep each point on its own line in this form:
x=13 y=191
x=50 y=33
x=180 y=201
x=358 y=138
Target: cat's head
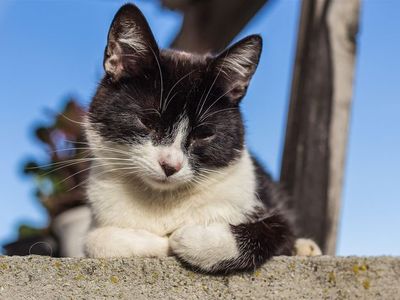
x=169 y=118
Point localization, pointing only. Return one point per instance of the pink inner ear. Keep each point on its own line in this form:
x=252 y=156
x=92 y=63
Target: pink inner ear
x=240 y=61
x=238 y=92
x=131 y=44
x=113 y=63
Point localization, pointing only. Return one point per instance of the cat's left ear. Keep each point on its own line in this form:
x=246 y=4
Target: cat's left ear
x=130 y=44
x=237 y=65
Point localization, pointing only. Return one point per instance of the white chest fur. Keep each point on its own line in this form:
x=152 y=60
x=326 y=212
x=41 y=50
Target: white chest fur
x=226 y=198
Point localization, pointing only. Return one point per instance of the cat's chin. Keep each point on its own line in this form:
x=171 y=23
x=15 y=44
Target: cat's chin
x=163 y=184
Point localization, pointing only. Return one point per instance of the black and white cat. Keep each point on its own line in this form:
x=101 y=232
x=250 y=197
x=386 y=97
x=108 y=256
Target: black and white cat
x=171 y=172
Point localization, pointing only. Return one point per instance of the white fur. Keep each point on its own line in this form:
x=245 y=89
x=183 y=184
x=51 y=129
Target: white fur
x=133 y=39
x=239 y=61
x=125 y=204
x=204 y=246
x=172 y=155
x=306 y=247
x=124 y=242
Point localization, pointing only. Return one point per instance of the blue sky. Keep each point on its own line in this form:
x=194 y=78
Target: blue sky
x=51 y=50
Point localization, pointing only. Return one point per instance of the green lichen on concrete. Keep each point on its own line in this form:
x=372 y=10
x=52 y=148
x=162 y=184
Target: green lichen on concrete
x=366 y=284
x=356 y=269
x=281 y=278
x=364 y=267
x=114 y=279
x=57 y=264
x=79 y=277
x=332 y=277
x=292 y=266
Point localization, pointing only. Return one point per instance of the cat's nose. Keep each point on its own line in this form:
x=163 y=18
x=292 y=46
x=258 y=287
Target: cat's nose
x=170 y=169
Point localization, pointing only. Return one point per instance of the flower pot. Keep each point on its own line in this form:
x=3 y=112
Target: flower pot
x=71 y=227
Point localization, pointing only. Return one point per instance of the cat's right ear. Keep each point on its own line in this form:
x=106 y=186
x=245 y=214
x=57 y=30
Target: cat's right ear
x=130 y=45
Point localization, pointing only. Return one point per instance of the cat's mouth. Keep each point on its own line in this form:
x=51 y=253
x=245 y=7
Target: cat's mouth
x=166 y=183
x=161 y=181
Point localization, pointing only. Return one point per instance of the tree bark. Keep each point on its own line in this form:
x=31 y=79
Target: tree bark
x=210 y=25
x=318 y=117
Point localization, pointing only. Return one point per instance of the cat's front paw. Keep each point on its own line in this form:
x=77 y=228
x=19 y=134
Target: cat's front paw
x=124 y=242
x=306 y=247
x=185 y=238
x=204 y=246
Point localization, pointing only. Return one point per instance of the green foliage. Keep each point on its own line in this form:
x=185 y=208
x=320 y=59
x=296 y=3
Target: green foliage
x=28 y=231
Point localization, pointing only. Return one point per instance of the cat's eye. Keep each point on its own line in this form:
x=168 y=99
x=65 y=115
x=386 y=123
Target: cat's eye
x=203 y=133
x=147 y=122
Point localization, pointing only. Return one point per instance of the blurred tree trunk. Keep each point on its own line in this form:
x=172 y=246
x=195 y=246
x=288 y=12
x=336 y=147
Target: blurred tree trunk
x=317 y=125
x=210 y=25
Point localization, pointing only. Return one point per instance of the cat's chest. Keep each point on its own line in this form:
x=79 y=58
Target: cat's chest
x=128 y=212
x=114 y=205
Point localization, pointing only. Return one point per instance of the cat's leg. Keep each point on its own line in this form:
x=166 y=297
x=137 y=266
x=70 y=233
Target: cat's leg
x=306 y=247
x=204 y=247
x=225 y=248
x=124 y=242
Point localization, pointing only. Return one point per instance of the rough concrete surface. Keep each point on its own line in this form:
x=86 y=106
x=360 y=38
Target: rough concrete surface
x=323 y=277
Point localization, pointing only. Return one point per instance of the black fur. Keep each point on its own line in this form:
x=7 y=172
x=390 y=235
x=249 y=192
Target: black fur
x=258 y=241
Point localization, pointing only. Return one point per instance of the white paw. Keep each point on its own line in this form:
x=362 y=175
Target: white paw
x=124 y=242
x=185 y=238
x=306 y=247
x=204 y=246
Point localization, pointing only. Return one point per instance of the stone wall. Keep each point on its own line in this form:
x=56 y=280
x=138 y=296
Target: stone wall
x=323 y=277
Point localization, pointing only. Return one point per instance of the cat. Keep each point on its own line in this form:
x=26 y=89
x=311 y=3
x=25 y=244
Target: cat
x=171 y=174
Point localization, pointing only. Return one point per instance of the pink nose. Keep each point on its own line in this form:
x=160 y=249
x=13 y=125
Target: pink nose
x=170 y=169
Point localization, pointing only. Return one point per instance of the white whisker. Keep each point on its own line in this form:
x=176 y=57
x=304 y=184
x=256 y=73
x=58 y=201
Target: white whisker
x=219 y=98
x=96 y=166
x=218 y=111
x=99 y=174
x=161 y=78
x=69 y=119
x=212 y=85
x=75 y=161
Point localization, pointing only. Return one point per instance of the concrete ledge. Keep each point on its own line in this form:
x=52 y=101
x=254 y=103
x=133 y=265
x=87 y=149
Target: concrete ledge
x=324 y=277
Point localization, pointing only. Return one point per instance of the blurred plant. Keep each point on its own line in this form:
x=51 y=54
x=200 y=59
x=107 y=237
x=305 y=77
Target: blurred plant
x=25 y=231
x=59 y=178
